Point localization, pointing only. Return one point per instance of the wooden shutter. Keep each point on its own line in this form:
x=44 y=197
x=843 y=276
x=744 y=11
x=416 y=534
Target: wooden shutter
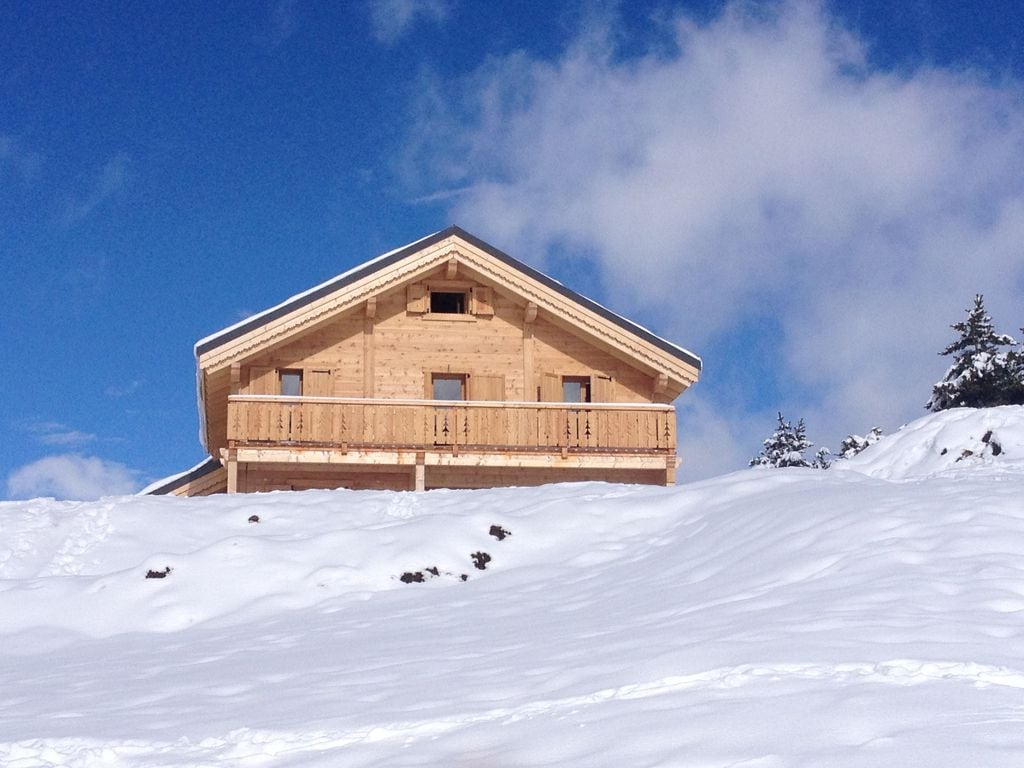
x=318 y=383
x=416 y=298
x=551 y=388
x=483 y=301
x=486 y=387
x=602 y=388
x=262 y=380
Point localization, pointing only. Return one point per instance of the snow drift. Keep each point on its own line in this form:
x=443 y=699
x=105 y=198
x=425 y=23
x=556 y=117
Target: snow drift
x=769 y=617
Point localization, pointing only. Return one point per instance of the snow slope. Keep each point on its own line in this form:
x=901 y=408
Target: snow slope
x=764 y=618
x=949 y=442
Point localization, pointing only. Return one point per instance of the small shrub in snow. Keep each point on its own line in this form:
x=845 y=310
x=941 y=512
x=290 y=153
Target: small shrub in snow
x=480 y=560
x=854 y=444
x=786 y=446
x=430 y=572
x=254 y=518
x=992 y=443
x=158 y=574
x=498 y=532
x=983 y=374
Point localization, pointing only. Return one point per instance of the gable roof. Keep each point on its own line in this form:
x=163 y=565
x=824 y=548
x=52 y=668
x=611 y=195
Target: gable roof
x=390 y=258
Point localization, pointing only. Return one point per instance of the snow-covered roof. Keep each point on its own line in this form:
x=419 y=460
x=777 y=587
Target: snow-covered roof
x=168 y=484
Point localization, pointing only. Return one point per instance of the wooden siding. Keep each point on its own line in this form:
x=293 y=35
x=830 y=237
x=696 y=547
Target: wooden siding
x=209 y=484
x=418 y=424
x=279 y=476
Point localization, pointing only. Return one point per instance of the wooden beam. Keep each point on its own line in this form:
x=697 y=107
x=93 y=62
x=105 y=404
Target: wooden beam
x=371 y=307
x=236 y=378
x=444 y=458
x=661 y=384
x=451 y=269
x=531 y=313
x=529 y=382
x=368 y=364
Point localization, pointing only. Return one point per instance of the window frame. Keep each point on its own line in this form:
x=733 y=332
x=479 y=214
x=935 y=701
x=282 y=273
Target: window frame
x=585 y=388
x=438 y=376
x=289 y=372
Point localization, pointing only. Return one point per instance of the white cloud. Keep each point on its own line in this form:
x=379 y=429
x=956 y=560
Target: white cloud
x=391 y=19
x=56 y=433
x=765 y=169
x=70 y=476
x=713 y=440
x=111 y=180
x=123 y=390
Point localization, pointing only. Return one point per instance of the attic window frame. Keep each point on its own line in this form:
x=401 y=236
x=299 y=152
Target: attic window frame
x=459 y=298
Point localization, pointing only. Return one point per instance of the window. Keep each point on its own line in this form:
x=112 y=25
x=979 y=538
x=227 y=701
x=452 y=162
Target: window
x=575 y=389
x=448 y=302
x=291 y=383
x=448 y=386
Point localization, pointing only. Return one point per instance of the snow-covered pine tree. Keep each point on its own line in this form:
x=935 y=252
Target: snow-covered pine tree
x=1015 y=363
x=981 y=374
x=785 y=448
x=854 y=444
x=821 y=459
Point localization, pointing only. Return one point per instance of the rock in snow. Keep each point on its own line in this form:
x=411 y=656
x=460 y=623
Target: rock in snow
x=870 y=616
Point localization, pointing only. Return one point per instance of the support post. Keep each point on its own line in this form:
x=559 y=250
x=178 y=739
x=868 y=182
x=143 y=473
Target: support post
x=232 y=470
x=670 y=469
x=420 y=482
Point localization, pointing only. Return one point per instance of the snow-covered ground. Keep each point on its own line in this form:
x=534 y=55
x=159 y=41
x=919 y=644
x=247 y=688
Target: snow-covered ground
x=869 y=615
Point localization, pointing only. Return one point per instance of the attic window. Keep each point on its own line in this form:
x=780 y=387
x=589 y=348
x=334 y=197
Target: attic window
x=448 y=303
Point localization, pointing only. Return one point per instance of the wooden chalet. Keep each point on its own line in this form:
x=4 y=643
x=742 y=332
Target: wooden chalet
x=443 y=364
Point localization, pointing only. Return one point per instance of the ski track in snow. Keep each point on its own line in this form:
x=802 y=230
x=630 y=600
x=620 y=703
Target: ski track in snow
x=249 y=747
x=52 y=538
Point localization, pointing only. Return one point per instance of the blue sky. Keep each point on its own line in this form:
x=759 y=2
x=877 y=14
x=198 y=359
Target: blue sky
x=806 y=195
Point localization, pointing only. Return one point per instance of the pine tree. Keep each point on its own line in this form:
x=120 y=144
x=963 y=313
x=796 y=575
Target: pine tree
x=854 y=444
x=785 y=448
x=981 y=374
x=1015 y=364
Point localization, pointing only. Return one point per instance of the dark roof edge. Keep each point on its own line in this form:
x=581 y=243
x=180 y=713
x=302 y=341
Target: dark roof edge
x=210 y=465
x=378 y=264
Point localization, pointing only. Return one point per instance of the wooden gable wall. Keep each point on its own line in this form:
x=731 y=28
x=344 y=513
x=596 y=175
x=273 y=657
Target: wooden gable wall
x=507 y=352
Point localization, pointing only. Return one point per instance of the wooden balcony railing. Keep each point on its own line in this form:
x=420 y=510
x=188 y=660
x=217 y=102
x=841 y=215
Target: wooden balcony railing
x=434 y=424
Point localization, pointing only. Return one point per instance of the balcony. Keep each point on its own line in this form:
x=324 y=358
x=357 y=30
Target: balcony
x=366 y=425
